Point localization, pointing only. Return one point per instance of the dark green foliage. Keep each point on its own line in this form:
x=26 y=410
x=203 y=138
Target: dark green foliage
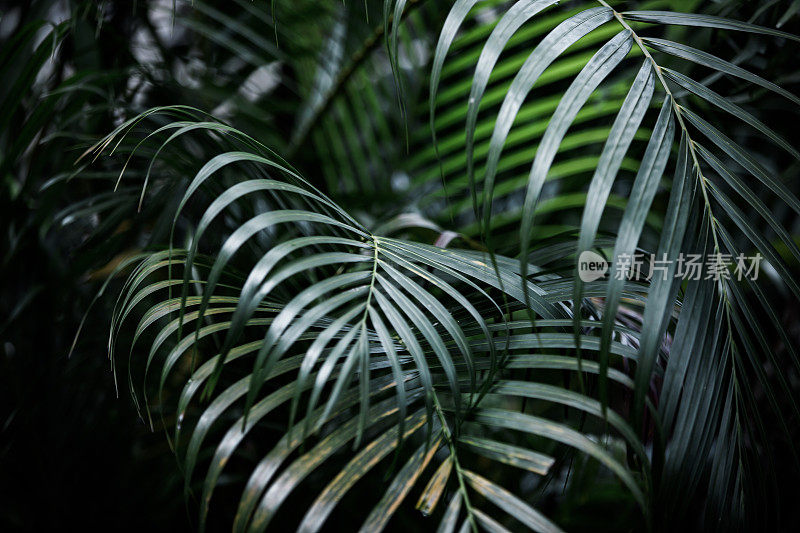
x=335 y=246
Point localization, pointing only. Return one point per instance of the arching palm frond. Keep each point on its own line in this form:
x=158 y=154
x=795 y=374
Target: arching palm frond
x=345 y=316
x=699 y=216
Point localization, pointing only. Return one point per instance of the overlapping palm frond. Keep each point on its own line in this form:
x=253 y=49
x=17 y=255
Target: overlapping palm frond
x=473 y=373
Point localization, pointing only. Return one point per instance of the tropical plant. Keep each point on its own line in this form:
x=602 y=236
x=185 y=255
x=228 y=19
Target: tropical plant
x=355 y=282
